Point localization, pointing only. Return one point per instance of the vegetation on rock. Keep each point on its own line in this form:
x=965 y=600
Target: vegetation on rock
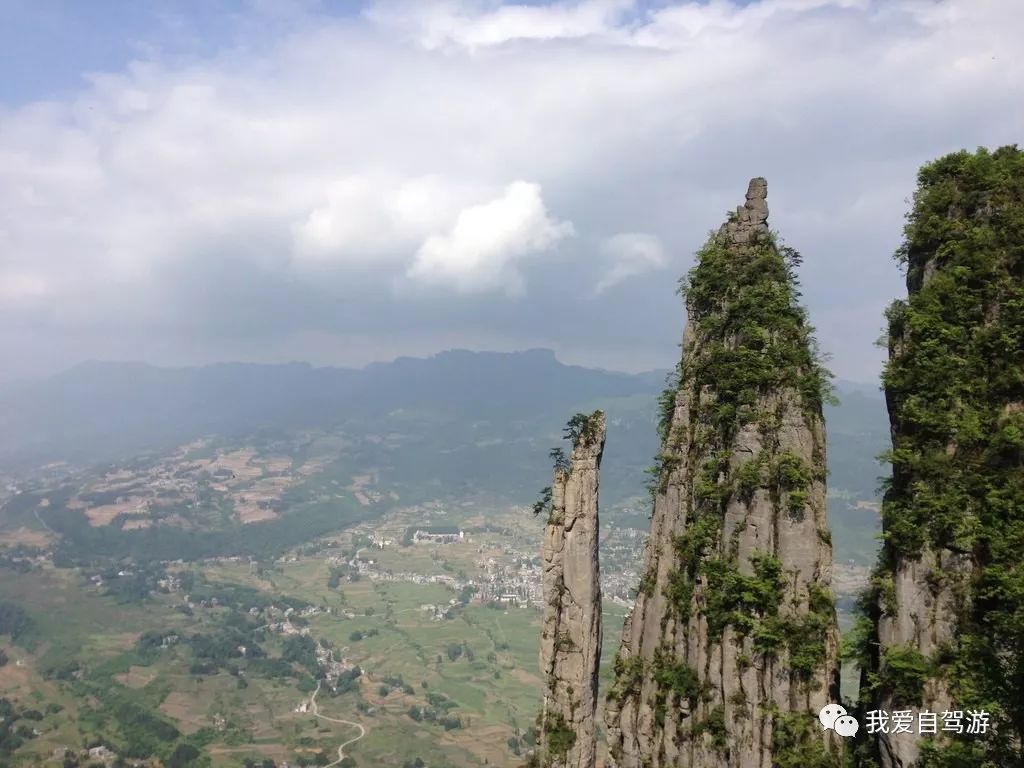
x=742 y=452
x=955 y=390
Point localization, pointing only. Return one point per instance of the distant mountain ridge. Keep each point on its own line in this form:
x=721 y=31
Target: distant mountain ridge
x=485 y=416
x=100 y=411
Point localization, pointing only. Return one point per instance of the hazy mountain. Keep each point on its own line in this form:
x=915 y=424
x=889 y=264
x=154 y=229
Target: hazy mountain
x=468 y=420
x=105 y=411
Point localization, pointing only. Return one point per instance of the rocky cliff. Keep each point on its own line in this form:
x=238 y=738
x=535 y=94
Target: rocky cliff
x=571 y=638
x=945 y=616
x=730 y=650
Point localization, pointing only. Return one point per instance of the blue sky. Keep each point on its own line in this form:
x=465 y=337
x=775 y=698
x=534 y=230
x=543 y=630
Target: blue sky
x=186 y=182
x=52 y=44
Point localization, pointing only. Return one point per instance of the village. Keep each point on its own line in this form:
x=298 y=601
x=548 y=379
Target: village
x=495 y=564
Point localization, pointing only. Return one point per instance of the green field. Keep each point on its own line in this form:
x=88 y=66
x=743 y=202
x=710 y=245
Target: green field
x=491 y=686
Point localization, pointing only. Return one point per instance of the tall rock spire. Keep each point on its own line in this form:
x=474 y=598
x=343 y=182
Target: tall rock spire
x=571 y=639
x=730 y=650
x=946 y=609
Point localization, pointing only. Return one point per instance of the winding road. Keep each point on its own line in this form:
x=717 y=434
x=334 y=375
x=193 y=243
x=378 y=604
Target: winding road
x=315 y=709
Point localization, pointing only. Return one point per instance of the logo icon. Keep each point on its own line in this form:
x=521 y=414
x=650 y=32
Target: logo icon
x=834 y=717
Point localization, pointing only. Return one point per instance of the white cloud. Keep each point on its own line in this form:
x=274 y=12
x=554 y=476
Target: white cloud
x=478 y=24
x=366 y=220
x=351 y=152
x=482 y=249
x=630 y=254
x=475 y=25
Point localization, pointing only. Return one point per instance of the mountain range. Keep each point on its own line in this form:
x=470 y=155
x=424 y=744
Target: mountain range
x=467 y=421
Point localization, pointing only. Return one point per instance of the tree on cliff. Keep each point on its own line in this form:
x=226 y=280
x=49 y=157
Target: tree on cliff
x=944 y=618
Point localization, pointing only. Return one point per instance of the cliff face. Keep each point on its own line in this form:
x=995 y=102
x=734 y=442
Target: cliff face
x=571 y=638
x=946 y=612
x=730 y=650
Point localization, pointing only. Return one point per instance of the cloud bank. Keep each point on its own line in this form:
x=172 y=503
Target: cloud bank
x=474 y=173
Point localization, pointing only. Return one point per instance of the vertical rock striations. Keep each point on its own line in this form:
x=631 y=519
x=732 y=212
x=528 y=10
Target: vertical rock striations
x=945 y=615
x=730 y=650
x=571 y=639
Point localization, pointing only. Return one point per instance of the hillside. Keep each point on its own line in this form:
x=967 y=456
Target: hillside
x=456 y=424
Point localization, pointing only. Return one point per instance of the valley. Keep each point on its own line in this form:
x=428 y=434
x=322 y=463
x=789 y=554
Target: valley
x=434 y=640
x=230 y=600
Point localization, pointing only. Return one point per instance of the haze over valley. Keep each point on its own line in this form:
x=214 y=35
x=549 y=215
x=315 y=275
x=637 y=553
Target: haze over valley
x=161 y=503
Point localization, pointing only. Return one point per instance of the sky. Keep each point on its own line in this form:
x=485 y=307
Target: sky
x=346 y=182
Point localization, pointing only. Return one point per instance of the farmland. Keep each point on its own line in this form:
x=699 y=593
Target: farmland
x=477 y=663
